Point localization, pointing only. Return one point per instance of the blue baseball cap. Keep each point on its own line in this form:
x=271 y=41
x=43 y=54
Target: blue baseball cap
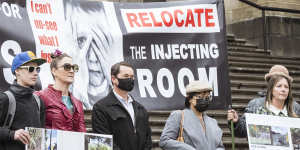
x=23 y=58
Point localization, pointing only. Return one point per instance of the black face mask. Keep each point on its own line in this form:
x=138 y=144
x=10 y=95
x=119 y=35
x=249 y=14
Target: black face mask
x=126 y=84
x=202 y=104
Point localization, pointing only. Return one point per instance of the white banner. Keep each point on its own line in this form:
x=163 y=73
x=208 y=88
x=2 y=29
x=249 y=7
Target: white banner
x=266 y=132
x=51 y=139
x=182 y=19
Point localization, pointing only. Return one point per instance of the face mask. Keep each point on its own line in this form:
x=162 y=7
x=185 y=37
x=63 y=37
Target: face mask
x=126 y=84
x=202 y=104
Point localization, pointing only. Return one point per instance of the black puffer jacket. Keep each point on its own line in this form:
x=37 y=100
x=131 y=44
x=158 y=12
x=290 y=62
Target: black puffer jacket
x=26 y=115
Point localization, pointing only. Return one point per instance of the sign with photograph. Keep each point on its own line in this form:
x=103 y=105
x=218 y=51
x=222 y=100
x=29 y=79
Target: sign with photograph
x=267 y=132
x=51 y=139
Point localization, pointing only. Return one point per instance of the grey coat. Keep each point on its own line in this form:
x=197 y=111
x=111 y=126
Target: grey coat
x=252 y=107
x=193 y=133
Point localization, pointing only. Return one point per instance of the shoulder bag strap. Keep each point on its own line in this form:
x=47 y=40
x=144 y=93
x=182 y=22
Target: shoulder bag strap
x=11 y=109
x=180 y=136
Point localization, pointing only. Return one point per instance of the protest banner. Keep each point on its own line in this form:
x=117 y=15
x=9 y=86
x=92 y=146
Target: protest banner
x=168 y=43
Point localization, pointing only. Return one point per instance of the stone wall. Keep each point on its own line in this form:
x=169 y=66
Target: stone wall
x=283 y=33
x=237 y=11
x=244 y=21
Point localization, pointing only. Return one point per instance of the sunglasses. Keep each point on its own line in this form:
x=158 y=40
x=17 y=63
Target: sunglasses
x=68 y=67
x=31 y=68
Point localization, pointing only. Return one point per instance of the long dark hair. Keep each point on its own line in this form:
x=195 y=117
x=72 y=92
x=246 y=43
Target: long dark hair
x=289 y=100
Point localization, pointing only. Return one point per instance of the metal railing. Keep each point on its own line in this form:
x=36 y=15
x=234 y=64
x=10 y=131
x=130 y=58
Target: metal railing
x=265 y=21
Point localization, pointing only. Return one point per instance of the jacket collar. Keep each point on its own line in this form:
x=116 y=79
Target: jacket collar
x=200 y=136
x=59 y=94
x=114 y=101
x=20 y=90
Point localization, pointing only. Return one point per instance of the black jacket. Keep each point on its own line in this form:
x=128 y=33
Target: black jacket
x=110 y=117
x=26 y=115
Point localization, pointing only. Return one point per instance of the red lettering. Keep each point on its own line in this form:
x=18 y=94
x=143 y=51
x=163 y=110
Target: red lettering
x=176 y=12
x=189 y=18
x=46 y=56
x=156 y=24
x=132 y=18
x=49 y=6
x=56 y=40
x=31 y=3
x=35 y=6
x=199 y=12
x=168 y=24
x=144 y=17
x=209 y=17
x=49 y=58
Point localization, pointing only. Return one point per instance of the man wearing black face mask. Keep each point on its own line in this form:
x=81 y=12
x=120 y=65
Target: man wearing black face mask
x=200 y=131
x=120 y=115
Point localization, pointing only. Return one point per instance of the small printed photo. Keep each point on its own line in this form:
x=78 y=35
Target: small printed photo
x=259 y=134
x=36 y=135
x=295 y=133
x=51 y=139
x=280 y=136
x=93 y=142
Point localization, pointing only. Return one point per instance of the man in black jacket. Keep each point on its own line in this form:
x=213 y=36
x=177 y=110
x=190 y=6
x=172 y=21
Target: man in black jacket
x=118 y=114
x=28 y=113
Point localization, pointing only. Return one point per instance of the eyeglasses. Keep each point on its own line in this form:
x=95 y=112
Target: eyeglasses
x=206 y=97
x=31 y=68
x=68 y=67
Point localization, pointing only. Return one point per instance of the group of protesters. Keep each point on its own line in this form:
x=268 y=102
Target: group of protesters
x=118 y=114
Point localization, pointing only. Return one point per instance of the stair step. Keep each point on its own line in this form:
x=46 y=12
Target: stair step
x=241 y=76
x=255 y=91
x=237 y=41
x=259 y=65
x=260 y=70
x=253 y=84
x=230 y=36
x=246 y=45
x=247 y=49
x=250 y=54
x=264 y=59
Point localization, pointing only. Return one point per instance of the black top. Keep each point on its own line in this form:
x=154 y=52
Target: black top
x=26 y=115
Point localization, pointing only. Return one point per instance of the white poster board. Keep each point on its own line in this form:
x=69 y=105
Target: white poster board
x=51 y=139
x=267 y=132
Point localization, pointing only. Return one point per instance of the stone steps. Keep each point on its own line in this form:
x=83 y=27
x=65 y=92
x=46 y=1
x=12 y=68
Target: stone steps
x=247 y=67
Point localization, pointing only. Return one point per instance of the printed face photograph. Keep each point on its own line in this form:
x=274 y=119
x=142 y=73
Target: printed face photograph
x=95 y=50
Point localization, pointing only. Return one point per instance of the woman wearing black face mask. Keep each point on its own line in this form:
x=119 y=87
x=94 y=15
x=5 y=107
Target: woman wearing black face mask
x=198 y=130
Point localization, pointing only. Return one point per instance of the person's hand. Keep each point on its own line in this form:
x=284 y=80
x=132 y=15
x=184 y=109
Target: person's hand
x=232 y=115
x=22 y=135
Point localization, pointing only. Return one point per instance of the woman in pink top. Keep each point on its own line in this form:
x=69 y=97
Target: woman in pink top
x=63 y=111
